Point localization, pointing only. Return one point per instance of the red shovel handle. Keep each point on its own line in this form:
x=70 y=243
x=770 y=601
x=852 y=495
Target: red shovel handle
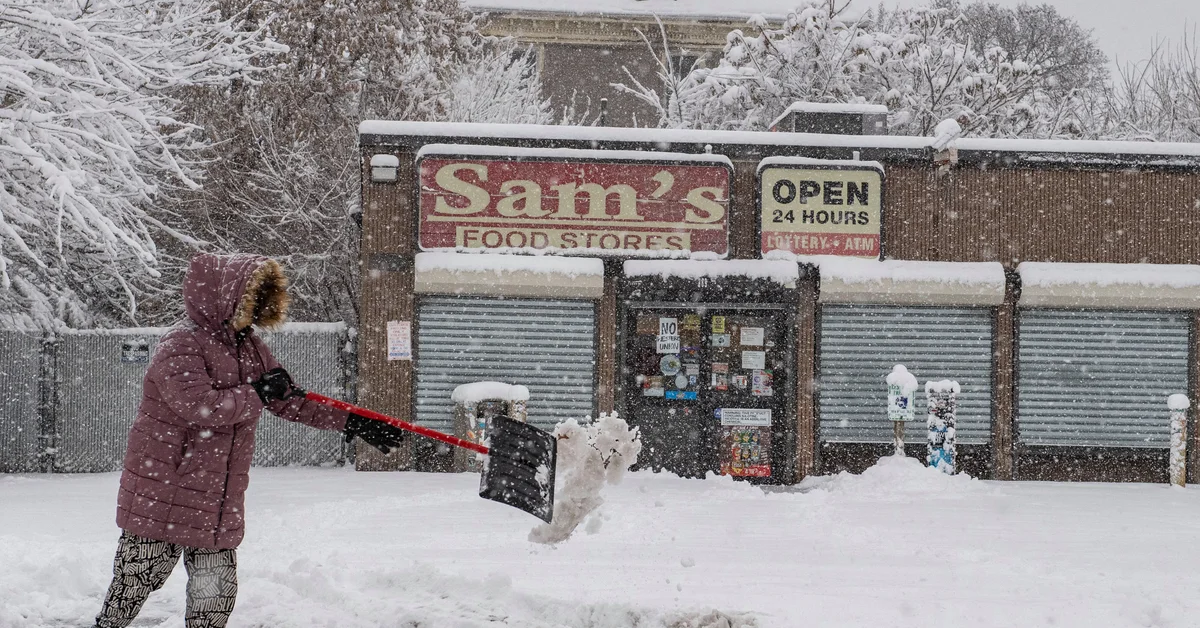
x=394 y=422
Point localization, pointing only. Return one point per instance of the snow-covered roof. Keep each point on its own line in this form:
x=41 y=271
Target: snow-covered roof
x=697 y=9
x=854 y=280
x=519 y=153
x=1152 y=153
x=829 y=107
x=1138 y=286
x=810 y=161
x=482 y=391
x=781 y=272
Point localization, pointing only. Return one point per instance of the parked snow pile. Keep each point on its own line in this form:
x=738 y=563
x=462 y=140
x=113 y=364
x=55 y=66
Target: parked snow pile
x=589 y=457
x=896 y=478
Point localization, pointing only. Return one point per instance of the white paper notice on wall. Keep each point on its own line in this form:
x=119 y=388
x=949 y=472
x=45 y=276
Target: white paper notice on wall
x=754 y=359
x=668 y=336
x=752 y=337
x=399 y=340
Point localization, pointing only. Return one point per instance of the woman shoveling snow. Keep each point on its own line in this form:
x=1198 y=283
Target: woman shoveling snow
x=188 y=458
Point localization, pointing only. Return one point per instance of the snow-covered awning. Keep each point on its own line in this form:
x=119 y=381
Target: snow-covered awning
x=781 y=272
x=1117 y=286
x=903 y=282
x=509 y=275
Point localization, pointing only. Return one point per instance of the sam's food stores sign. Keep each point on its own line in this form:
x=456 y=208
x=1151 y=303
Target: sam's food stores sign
x=818 y=207
x=581 y=201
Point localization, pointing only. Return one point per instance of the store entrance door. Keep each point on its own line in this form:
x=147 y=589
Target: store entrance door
x=706 y=385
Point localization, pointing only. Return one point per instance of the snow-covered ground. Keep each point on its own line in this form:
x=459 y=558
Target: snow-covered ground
x=897 y=546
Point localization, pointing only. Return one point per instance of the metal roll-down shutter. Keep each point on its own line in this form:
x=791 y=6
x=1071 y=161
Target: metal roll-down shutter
x=547 y=345
x=859 y=345
x=1099 y=378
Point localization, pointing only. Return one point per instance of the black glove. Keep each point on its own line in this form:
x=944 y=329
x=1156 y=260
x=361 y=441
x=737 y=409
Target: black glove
x=377 y=434
x=275 y=385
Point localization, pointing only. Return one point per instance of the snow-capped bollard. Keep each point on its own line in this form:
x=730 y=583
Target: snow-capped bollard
x=902 y=385
x=942 y=399
x=1178 y=405
x=475 y=405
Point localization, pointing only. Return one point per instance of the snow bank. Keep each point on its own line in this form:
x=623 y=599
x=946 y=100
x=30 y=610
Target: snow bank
x=501 y=264
x=810 y=161
x=589 y=456
x=480 y=391
x=520 y=153
x=896 y=478
x=1045 y=274
x=1178 y=402
x=781 y=272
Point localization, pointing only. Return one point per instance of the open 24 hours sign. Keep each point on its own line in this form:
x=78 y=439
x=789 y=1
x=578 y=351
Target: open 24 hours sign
x=573 y=201
x=820 y=207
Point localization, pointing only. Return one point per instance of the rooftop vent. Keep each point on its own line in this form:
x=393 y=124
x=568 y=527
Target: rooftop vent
x=833 y=119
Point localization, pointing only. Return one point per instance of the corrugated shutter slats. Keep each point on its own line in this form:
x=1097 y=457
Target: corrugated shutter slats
x=548 y=346
x=861 y=343
x=1099 y=378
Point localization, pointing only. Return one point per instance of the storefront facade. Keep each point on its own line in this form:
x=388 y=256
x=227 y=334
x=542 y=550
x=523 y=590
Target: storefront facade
x=723 y=291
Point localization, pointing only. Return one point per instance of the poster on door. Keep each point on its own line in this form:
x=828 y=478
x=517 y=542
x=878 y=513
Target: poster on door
x=746 y=451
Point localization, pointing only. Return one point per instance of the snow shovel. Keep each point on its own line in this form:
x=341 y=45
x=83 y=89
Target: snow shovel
x=519 y=470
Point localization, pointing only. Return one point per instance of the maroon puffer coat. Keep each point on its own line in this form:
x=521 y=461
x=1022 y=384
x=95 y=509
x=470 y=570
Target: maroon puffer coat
x=188 y=460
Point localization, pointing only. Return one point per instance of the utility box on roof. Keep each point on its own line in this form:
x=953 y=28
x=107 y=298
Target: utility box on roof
x=833 y=118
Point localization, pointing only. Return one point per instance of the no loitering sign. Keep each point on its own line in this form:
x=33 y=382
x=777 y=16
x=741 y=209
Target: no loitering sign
x=821 y=207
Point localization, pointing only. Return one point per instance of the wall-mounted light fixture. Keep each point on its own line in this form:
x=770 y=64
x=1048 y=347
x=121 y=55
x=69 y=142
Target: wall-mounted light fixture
x=383 y=168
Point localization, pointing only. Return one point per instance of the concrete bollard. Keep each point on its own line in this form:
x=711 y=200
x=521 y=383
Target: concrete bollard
x=1178 y=405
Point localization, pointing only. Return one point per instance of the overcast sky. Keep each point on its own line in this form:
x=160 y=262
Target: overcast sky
x=1126 y=29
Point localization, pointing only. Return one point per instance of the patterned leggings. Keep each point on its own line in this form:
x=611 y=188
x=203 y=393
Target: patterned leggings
x=142 y=566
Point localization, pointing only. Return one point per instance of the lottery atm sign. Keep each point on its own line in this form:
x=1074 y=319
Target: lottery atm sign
x=822 y=208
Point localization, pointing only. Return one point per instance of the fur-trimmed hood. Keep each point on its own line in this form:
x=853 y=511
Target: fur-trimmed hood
x=224 y=293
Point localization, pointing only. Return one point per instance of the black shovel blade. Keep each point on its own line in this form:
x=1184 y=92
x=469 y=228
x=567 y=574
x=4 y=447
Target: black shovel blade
x=519 y=470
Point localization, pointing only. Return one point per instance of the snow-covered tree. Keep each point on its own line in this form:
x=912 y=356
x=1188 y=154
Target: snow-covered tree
x=1158 y=99
x=89 y=137
x=283 y=180
x=920 y=62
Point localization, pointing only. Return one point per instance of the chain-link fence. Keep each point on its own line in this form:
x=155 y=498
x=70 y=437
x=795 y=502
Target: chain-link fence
x=20 y=396
x=68 y=401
